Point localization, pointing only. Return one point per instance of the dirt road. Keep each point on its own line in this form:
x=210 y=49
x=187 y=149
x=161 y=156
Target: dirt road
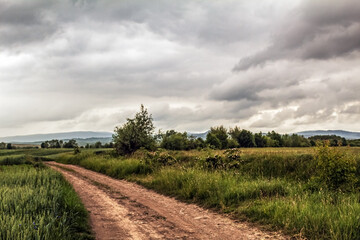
x=123 y=210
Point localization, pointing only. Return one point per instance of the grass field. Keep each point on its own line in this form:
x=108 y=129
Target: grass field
x=37 y=202
x=283 y=188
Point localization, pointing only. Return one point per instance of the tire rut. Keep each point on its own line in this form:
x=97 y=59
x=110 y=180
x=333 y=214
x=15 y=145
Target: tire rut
x=124 y=210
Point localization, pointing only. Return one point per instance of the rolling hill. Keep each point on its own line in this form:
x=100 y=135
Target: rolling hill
x=60 y=136
x=341 y=133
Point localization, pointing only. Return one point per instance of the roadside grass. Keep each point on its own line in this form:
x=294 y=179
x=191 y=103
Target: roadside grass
x=38 y=203
x=271 y=186
x=318 y=215
x=34 y=152
x=107 y=165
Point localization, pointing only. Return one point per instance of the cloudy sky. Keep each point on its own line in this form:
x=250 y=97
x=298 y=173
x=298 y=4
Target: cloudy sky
x=261 y=65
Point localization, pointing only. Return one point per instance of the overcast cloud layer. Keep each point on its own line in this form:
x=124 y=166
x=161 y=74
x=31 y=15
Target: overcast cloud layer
x=261 y=65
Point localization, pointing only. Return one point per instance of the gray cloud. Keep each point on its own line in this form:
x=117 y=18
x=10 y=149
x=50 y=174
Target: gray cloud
x=87 y=65
x=25 y=22
x=316 y=30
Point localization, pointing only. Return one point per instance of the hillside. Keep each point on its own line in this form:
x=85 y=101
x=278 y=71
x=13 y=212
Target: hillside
x=60 y=136
x=341 y=133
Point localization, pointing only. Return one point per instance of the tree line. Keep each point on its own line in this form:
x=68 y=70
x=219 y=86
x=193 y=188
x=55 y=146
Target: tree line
x=55 y=143
x=6 y=146
x=138 y=132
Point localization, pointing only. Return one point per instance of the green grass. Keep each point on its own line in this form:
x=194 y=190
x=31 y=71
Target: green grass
x=320 y=215
x=37 y=203
x=269 y=186
x=107 y=165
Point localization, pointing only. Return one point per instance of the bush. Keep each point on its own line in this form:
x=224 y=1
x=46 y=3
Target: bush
x=158 y=159
x=335 y=169
x=135 y=133
x=231 y=160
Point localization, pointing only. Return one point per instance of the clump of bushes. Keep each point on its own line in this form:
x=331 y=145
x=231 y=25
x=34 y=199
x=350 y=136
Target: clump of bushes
x=159 y=158
x=336 y=170
x=230 y=160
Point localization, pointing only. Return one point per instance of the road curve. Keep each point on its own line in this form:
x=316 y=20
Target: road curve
x=123 y=210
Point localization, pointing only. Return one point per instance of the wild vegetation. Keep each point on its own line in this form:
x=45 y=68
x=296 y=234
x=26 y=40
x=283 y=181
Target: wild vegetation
x=305 y=192
x=37 y=202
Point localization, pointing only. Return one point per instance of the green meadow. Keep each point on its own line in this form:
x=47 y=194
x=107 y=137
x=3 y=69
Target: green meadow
x=37 y=202
x=308 y=193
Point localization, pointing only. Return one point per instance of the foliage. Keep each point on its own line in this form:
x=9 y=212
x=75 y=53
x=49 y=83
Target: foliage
x=335 y=168
x=244 y=137
x=277 y=139
x=331 y=140
x=173 y=140
x=260 y=140
x=217 y=137
x=135 y=133
x=267 y=185
x=55 y=143
x=232 y=143
x=213 y=141
x=295 y=140
x=159 y=158
x=353 y=142
x=76 y=150
x=71 y=144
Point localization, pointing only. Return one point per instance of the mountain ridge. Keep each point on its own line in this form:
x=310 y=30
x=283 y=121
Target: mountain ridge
x=59 y=136
x=342 y=133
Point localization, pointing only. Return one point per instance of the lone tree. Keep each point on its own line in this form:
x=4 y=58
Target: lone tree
x=135 y=133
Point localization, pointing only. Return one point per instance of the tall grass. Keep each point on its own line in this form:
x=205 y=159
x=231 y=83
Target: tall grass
x=272 y=187
x=37 y=203
x=117 y=168
x=214 y=189
x=319 y=215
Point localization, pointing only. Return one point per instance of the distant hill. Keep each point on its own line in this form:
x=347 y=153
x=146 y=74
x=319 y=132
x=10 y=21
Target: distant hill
x=60 y=136
x=199 y=135
x=341 y=133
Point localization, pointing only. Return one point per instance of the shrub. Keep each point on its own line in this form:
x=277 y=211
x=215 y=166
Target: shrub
x=158 y=158
x=335 y=169
x=135 y=133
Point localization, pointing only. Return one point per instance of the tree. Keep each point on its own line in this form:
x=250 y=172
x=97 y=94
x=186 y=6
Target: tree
x=221 y=134
x=135 y=133
x=173 y=140
x=71 y=144
x=333 y=140
x=98 y=144
x=213 y=141
x=9 y=146
x=44 y=144
x=278 y=140
x=244 y=137
x=260 y=140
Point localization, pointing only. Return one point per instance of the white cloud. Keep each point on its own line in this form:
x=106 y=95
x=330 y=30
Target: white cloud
x=87 y=65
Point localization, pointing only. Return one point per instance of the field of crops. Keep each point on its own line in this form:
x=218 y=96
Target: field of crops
x=36 y=202
x=306 y=192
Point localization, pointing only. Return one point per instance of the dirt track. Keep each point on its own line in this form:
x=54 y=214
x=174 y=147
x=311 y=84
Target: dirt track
x=123 y=210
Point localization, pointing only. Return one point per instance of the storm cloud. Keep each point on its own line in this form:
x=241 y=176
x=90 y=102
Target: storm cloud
x=315 y=30
x=88 y=65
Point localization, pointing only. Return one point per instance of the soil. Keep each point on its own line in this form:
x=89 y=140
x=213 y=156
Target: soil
x=123 y=210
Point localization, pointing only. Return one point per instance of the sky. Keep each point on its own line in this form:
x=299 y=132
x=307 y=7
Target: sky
x=87 y=65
